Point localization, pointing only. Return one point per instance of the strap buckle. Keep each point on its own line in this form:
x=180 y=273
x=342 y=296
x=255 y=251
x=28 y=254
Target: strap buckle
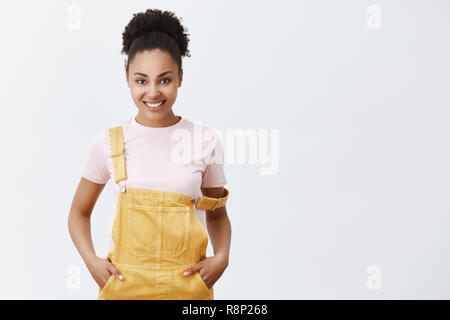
x=122 y=186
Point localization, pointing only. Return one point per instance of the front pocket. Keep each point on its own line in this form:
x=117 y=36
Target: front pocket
x=158 y=231
x=107 y=285
x=200 y=279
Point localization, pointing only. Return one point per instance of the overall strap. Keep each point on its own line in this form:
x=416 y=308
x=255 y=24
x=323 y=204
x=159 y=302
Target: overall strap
x=117 y=155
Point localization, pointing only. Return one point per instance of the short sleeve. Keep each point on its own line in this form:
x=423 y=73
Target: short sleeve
x=214 y=174
x=95 y=167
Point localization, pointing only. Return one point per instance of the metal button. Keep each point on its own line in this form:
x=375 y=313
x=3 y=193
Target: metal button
x=109 y=259
x=193 y=200
x=202 y=258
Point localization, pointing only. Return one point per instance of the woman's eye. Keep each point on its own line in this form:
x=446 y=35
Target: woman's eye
x=168 y=81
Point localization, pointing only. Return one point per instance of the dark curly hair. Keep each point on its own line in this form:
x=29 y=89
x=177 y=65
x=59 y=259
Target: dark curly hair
x=155 y=29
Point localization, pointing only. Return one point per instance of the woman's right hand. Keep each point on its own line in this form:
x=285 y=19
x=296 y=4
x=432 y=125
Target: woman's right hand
x=101 y=270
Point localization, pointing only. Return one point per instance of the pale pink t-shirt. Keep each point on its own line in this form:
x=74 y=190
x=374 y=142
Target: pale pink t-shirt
x=180 y=158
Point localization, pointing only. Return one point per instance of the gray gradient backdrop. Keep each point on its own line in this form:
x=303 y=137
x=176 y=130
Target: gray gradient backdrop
x=359 y=207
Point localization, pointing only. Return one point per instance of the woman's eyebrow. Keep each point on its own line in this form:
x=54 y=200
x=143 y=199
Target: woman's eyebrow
x=144 y=75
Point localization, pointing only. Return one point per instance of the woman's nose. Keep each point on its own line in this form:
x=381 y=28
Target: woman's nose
x=153 y=93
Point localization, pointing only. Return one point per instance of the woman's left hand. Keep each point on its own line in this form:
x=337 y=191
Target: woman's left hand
x=210 y=269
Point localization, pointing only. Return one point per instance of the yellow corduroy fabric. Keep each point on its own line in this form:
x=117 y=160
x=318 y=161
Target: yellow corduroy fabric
x=157 y=235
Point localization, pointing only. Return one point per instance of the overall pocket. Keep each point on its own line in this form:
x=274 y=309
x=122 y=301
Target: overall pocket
x=200 y=280
x=158 y=231
x=107 y=285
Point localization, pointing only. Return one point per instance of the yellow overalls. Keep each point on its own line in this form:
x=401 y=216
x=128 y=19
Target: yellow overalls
x=157 y=235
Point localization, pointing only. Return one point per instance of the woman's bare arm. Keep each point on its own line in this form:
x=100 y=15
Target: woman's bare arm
x=79 y=223
x=83 y=203
x=219 y=230
x=218 y=225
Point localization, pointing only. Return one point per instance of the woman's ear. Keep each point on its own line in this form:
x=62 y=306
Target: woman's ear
x=180 y=80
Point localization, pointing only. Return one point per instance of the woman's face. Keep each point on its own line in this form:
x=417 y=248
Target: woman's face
x=153 y=78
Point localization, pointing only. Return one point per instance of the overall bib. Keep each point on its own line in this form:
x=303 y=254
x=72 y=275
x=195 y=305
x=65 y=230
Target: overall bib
x=157 y=235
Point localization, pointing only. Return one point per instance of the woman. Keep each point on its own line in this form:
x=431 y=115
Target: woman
x=163 y=203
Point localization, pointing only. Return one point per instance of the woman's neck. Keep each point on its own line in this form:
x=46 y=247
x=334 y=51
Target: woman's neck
x=169 y=120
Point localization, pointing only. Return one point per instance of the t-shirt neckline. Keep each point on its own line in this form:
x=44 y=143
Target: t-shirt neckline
x=156 y=129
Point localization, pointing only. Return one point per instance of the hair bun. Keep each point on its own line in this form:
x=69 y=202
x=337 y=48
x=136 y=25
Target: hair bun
x=155 y=20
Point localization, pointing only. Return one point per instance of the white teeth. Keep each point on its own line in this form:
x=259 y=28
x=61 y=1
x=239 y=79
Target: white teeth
x=154 y=105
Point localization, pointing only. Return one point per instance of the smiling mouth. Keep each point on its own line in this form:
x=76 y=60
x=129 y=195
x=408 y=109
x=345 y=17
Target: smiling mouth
x=154 y=105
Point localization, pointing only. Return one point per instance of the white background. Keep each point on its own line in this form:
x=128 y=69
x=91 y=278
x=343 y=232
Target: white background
x=363 y=116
